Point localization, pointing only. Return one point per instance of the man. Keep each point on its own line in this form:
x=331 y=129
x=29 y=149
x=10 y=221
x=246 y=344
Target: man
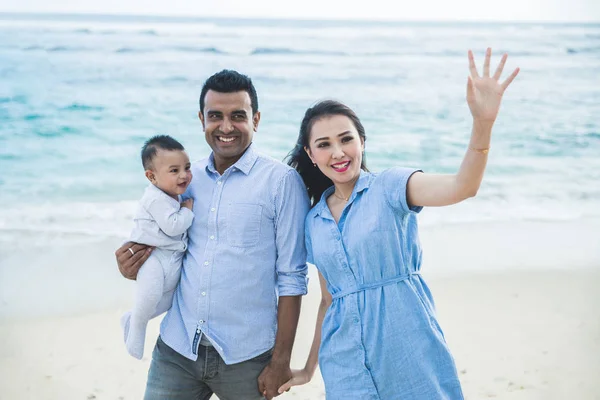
x=227 y=332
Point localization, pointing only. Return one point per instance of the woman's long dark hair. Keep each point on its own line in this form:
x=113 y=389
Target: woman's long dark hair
x=316 y=182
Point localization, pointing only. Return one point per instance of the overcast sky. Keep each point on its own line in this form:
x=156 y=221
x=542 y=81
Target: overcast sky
x=504 y=10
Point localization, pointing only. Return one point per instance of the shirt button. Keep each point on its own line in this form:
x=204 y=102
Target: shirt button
x=203 y=293
x=212 y=209
x=356 y=320
x=219 y=183
x=201 y=321
x=212 y=238
x=205 y=262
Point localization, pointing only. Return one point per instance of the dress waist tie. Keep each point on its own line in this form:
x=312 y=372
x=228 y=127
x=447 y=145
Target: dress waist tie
x=385 y=282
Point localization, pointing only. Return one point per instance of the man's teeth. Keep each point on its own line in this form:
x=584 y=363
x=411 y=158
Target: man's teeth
x=226 y=139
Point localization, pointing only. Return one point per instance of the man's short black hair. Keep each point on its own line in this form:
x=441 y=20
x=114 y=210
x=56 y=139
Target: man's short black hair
x=164 y=142
x=229 y=81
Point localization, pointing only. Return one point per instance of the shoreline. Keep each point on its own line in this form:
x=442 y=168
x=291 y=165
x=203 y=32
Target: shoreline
x=73 y=278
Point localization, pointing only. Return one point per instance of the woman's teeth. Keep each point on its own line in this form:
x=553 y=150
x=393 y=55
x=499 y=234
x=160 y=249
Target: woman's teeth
x=341 y=166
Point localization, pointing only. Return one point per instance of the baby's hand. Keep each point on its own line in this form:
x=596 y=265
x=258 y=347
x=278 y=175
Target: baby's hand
x=189 y=203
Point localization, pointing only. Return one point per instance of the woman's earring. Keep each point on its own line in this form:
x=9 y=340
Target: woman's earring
x=314 y=164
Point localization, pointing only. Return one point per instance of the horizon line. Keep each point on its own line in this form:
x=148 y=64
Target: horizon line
x=191 y=18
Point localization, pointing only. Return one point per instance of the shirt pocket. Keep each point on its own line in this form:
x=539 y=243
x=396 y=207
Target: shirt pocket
x=243 y=224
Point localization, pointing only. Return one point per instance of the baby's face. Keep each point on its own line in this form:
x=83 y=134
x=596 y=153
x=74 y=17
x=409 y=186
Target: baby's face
x=171 y=171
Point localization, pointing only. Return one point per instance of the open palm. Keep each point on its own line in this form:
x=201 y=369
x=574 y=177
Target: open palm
x=484 y=93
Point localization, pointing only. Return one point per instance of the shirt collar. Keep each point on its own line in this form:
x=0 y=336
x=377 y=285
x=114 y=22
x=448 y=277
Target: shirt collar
x=158 y=192
x=363 y=182
x=244 y=164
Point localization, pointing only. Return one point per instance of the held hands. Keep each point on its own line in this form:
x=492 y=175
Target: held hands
x=484 y=93
x=299 y=377
x=272 y=377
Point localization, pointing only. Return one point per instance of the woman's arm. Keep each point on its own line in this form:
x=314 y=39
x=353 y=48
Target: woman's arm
x=484 y=95
x=303 y=376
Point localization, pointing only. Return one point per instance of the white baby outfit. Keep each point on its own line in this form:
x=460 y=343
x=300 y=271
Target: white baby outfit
x=160 y=221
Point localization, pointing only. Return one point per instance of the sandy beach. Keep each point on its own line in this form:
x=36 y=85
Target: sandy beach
x=515 y=271
x=526 y=328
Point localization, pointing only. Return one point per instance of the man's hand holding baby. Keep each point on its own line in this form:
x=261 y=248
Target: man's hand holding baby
x=130 y=257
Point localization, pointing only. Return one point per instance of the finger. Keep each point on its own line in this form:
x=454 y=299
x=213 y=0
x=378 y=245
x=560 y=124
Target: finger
x=285 y=387
x=123 y=249
x=470 y=89
x=472 y=66
x=128 y=256
x=132 y=266
x=137 y=247
x=145 y=255
x=124 y=257
x=500 y=67
x=140 y=258
x=486 y=63
x=510 y=79
x=123 y=253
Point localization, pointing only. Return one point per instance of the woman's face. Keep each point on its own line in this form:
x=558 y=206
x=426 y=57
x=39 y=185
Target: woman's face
x=335 y=146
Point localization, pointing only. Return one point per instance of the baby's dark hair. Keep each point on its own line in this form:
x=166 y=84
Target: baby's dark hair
x=164 y=142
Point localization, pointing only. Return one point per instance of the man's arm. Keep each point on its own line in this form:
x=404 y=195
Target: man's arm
x=303 y=376
x=278 y=370
x=292 y=205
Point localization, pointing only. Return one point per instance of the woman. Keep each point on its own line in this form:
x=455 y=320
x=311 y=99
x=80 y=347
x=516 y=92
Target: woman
x=376 y=328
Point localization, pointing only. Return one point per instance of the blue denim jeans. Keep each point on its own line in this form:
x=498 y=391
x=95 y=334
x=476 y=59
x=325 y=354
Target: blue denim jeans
x=174 y=377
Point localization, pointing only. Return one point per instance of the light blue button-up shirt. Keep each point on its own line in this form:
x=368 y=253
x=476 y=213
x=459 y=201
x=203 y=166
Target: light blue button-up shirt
x=246 y=248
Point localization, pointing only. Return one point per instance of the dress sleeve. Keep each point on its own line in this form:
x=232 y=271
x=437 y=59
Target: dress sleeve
x=395 y=183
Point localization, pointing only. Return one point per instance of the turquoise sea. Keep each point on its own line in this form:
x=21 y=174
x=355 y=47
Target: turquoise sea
x=80 y=94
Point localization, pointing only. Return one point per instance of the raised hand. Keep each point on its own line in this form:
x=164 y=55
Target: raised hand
x=484 y=93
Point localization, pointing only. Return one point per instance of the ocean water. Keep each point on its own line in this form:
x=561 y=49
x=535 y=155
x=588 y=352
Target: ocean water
x=79 y=95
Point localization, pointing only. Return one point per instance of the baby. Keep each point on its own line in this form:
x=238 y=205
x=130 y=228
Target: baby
x=161 y=221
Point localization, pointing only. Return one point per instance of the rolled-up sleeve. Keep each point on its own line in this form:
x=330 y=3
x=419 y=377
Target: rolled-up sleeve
x=291 y=207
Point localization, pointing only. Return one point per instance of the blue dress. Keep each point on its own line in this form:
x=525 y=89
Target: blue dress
x=380 y=336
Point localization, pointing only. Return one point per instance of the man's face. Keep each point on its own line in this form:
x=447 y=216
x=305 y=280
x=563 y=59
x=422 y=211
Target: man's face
x=229 y=125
